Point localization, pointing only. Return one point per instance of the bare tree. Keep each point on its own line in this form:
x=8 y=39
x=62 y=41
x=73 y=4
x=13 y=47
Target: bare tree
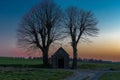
x=79 y=24
x=40 y=27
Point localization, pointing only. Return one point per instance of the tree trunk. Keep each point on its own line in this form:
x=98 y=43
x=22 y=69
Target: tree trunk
x=45 y=58
x=74 y=64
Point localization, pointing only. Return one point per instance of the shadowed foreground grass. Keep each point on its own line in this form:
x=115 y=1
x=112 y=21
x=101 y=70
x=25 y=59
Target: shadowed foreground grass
x=111 y=76
x=44 y=74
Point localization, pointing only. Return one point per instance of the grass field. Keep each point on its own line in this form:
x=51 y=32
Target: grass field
x=86 y=65
x=47 y=74
x=34 y=75
x=111 y=76
x=37 y=63
x=20 y=62
x=5 y=60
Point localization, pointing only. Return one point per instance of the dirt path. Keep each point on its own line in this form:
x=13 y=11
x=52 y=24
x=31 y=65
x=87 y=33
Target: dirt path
x=97 y=76
x=85 y=75
x=88 y=74
x=78 y=75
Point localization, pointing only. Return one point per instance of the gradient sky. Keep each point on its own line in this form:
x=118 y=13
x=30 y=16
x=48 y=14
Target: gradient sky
x=106 y=46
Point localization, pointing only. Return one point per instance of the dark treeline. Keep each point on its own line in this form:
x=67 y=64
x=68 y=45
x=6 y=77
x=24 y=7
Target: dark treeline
x=13 y=58
x=40 y=58
x=92 y=60
x=79 y=60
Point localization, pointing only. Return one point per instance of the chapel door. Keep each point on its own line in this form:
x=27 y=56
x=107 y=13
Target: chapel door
x=61 y=63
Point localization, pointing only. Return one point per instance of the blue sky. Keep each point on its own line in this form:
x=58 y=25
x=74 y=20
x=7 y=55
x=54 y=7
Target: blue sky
x=107 y=13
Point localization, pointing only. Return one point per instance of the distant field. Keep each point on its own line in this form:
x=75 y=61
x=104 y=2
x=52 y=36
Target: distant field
x=34 y=75
x=5 y=60
x=33 y=63
x=111 y=76
x=86 y=65
x=19 y=62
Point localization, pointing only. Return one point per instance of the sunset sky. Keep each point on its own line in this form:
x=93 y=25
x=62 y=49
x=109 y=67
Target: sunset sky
x=106 y=46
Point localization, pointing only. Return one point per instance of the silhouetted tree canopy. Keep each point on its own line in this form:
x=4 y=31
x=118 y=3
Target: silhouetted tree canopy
x=79 y=24
x=40 y=27
x=45 y=23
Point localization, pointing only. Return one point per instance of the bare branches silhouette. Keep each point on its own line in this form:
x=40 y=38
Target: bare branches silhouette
x=79 y=24
x=40 y=27
x=46 y=23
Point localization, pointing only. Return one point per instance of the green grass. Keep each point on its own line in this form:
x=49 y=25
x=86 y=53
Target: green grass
x=18 y=62
x=5 y=60
x=111 y=76
x=86 y=65
x=34 y=75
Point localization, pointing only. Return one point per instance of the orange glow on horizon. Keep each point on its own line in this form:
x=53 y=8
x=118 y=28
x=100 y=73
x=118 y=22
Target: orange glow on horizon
x=106 y=48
